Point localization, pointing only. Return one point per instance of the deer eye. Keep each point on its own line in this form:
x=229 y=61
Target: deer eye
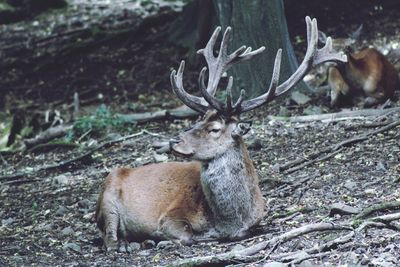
x=214 y=130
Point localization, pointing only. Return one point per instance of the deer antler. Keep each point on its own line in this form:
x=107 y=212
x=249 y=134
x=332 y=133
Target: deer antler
x=218 y=65
x=313 y=57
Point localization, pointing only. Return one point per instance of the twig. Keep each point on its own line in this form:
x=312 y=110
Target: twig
x=307 y=257
x=332 y=149
x=366 y=125
x=231 y=256
x=314 y=161
x=42 y=147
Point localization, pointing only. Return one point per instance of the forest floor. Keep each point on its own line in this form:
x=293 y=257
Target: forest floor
x=47 y=214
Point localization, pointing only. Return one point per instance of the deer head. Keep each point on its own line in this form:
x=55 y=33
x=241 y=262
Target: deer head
x=221 y=128
x=343 y=44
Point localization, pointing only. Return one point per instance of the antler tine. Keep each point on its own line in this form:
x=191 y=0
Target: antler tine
x=191 y=101
x=229 y=104
x=270 y=94
x=237 y=106
x=202 y=83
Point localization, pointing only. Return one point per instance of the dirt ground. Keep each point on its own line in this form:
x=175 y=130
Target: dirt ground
x=47 y=216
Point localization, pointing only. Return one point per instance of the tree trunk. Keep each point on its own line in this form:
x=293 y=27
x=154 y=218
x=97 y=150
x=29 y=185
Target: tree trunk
x=256 y=23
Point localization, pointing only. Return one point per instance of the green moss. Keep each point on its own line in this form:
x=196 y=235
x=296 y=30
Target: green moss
x=98 y=124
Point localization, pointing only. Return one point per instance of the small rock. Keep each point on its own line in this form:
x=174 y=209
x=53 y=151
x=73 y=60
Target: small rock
x=72 y=246
x=146 y=252
x=342 y=209
x=134 y=246
x=350 y=185
x=148 y=244
x=61 y=210
x=67 y=231
x=274 y=264
x=61 y=180
x=238 y=247
x=370 y=191
x=160 y=157
x=276 y=167
x=165 y=244
x=44 y=227
x=300 y=98
x=84 y=203
x=6 y=222
x=312 y=110
x=380 y=166
x=306 y=263
x=353 y=259
x=283 y=112
x=254 y=144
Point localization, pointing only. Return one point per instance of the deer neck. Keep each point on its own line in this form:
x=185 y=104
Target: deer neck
x=230 y=185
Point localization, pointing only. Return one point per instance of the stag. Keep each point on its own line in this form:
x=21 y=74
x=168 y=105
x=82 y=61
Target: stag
x=217 y=194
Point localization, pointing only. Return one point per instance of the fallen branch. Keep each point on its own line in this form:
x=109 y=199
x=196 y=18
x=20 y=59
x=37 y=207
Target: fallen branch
x=392 y=205
x=237 y=255
x=86 y=155
x=176 y=113
x=338 y=116
x=387 y=217
x=47 y=135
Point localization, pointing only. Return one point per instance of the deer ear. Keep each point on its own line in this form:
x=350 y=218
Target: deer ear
x=241 y=129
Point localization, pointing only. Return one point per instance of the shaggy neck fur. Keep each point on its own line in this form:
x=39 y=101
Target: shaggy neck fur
x=230 y=185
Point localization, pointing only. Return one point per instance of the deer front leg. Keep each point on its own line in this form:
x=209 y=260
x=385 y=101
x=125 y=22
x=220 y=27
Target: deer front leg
x=374 y=99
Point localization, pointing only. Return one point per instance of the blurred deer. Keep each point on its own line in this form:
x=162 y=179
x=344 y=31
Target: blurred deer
x=217 y=195
x=366 y=73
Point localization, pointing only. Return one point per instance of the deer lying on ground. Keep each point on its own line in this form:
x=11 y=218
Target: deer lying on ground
x=217 y=195
x=366 y=73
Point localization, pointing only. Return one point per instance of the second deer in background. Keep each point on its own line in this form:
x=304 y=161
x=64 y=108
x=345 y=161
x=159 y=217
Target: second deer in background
x=367 y=73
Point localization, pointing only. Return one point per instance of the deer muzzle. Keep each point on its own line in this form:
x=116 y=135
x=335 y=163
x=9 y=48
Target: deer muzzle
x=180 y=148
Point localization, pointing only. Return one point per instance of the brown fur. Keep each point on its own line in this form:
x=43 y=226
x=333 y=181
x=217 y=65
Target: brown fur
x=368 y=73
x=151 y=196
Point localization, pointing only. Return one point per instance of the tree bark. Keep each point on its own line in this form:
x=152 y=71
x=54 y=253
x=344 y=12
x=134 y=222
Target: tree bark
x=256 y=23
